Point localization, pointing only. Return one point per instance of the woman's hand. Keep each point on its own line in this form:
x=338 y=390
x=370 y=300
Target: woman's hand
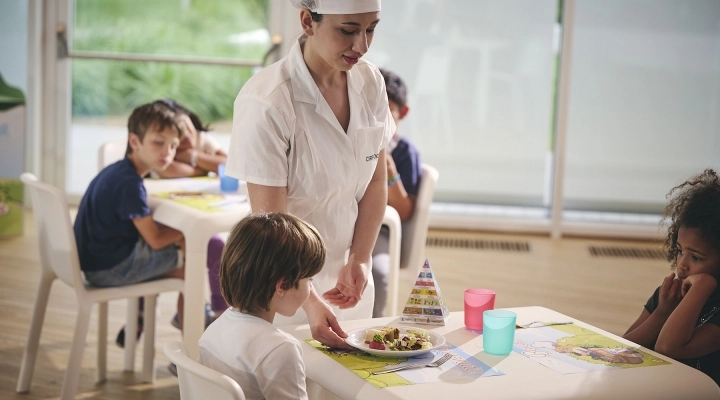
x=670 y=294
x=699 y=280
x=323 y=323
x=350 y=285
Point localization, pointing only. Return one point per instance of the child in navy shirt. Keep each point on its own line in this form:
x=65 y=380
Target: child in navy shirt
x=118 y=242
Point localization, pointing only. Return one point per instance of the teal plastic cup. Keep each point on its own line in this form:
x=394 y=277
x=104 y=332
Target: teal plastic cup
x=498 y=331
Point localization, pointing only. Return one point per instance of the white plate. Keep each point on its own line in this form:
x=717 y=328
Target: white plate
x=356 y=339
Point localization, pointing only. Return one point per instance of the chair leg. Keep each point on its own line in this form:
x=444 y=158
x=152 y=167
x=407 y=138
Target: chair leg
x=149 y=344
x=102 y=341
x=30 y=354
x=130 y=333
x=72 y=373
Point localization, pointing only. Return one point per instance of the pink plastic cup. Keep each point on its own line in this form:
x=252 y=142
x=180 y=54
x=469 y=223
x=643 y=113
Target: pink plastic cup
x=477 y=301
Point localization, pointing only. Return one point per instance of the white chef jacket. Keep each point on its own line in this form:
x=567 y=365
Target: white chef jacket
x=285 y=134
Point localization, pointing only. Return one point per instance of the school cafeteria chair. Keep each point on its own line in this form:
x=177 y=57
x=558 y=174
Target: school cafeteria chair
x=59 y=260
x=198 y=382
x=413 y=238
x=111 y=152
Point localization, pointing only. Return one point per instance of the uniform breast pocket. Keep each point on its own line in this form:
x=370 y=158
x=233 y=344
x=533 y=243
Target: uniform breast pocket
x=367 y=150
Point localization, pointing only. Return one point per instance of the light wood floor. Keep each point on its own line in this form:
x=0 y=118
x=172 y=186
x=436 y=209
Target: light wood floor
x=558 y=274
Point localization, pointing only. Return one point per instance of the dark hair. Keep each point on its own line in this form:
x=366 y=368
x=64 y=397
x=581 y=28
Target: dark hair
x=694 y=203
x=395 y=87
x=179 y=108
x=153 y=116
x=262 y=249
x=316 y=17
x=310 y=4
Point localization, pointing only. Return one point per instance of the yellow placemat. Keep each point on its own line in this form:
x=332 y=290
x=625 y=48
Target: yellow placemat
x=204 y=201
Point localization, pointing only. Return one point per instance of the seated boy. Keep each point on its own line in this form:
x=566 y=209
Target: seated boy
x=118 y=242
x=404 y=173
x=267 y=268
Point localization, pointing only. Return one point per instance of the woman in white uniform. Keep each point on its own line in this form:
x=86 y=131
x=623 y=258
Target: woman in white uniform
x=309 y=137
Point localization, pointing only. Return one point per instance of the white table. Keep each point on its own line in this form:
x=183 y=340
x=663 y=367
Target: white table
x=198 y=227
x=523 y=379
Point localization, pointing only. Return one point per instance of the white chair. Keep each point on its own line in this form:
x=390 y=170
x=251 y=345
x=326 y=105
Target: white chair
x=391 y=219
x=59 y=260
x=198 y=381
x=111 y=152
x=414 y=236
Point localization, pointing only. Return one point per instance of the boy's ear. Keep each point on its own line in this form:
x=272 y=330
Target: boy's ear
x=279 y=287
x=403 y=111
x=134 y=141
x=306 y=22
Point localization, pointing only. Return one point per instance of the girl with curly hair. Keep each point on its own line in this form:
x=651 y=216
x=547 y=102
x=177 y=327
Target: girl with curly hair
x=682 y=318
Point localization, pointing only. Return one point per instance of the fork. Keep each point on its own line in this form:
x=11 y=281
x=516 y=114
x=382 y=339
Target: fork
x=440 y=361
x=544 y=323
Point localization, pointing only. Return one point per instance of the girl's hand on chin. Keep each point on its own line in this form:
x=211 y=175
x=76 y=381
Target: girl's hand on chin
x=705 y=281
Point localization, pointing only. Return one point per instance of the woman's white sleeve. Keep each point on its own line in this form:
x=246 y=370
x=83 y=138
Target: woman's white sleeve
x=281 y=375
x=259 y=143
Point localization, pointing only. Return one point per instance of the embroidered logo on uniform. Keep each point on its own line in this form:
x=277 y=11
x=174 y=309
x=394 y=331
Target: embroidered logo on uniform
x=371 y=157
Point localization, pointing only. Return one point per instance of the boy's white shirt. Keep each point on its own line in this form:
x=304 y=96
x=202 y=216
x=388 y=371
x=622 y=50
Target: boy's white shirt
x=265 y=361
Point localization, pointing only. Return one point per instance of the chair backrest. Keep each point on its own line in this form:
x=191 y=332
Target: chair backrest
x=56 y=238
x=415 y=228
x=110 y=152
x=198 y=382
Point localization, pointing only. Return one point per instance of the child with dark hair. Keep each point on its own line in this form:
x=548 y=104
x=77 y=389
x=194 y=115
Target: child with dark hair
x=404 y=173
x=198 y=153
x=682 y=318
x=266 y=269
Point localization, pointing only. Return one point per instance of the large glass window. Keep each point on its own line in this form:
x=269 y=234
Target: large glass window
x=105 y=91
x=481 y=92
x=644 y=111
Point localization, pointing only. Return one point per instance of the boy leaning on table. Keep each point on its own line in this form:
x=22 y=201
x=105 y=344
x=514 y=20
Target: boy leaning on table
x=118 y=242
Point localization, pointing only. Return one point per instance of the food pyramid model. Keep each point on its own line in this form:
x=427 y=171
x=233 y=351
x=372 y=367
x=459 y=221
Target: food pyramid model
x=425 y=304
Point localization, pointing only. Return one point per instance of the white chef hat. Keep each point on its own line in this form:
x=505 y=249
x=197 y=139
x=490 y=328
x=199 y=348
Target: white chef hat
x=338 y=6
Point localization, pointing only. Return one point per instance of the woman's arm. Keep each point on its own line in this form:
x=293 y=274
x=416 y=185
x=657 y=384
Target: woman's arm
x=679 y=338
x=267 y=198
x=371 y=209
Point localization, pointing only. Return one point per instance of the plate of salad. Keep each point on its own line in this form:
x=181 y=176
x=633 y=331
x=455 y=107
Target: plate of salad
x=394 y=341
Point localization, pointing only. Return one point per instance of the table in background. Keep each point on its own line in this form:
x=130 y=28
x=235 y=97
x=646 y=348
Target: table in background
x=198 y=227
x=523 y=379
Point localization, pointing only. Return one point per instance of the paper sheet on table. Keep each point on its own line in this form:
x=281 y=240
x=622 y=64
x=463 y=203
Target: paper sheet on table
x=460 y=366
x=205 y=201
x=571 y=349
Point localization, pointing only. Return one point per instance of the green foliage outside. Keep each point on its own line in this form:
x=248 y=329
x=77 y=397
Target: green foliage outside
x=191 y=28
